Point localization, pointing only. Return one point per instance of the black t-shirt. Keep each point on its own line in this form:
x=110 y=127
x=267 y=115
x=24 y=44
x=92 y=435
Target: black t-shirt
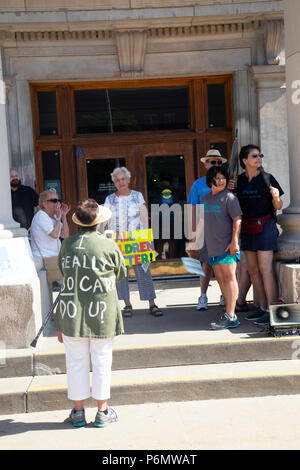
x=23 y=200
x=254 y=196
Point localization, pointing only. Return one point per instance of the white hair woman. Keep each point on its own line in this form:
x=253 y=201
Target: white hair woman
x=129 y=213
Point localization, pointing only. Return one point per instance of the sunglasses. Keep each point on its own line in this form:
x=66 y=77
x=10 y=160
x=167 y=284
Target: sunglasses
x=215 y=162
x=255 y=155
x=55 y=200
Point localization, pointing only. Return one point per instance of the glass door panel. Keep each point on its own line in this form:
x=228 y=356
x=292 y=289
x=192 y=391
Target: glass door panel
x=94 y=166
x=51 y=171
x=99 y=180
x=166 y=185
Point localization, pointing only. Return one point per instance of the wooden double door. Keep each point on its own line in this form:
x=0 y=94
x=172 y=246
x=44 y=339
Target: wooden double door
x=154 y=167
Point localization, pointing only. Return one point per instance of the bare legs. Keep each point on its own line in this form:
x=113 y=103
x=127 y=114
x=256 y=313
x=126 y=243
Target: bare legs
x=204 y=281
x=79 y=405
x=226 y=277
x=260 y=268
x=244 y=281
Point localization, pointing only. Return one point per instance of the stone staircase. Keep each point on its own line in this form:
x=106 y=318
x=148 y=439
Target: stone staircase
x=173 y=358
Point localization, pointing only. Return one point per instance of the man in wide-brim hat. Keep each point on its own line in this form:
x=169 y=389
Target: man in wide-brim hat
x=88 y=316
x=198 y=190
x=212 y=155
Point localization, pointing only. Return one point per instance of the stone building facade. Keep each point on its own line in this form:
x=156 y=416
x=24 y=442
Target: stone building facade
x=57 y=52
x=92 y=41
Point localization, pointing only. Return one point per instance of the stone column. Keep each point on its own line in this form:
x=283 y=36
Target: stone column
x=20 y=296
x=289 y=241
x=8 y=227
x=271 y=100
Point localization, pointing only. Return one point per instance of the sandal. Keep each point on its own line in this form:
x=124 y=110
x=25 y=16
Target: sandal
x=127 y=311
x=155 y=311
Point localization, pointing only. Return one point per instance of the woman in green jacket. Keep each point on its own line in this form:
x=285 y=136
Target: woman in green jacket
x=88 y=315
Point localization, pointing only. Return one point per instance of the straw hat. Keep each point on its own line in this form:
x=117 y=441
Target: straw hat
x=103 y=215
x=213 y=153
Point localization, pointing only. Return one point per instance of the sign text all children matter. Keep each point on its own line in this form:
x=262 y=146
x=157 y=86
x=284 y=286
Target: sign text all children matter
x=137 y=246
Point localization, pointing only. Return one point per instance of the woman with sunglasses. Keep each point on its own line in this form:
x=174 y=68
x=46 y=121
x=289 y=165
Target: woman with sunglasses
x=259 y=196
x=49 y=225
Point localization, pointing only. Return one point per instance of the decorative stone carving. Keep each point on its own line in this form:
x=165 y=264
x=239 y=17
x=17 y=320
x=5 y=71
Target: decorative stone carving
x=46 y=34
x=131 y=47
x=273 y=30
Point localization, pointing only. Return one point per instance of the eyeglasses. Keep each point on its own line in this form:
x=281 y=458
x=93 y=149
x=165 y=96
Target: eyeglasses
x=55 y=200
x=215 y=162
x=255 y=155
x=219 y=179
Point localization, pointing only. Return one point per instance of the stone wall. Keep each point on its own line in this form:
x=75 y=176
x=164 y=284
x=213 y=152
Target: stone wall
x=75 y=5
x=71 y=40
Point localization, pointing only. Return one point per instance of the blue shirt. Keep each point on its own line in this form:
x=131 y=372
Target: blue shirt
x=198 y=191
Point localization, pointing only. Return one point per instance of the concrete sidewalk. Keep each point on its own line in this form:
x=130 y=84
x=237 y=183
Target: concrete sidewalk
x=241 y=423
x=181 y=322
x=234 y=423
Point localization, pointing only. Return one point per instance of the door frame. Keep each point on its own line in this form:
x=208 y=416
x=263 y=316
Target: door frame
x=95 y=152
x=135 y=157
x=166 y=149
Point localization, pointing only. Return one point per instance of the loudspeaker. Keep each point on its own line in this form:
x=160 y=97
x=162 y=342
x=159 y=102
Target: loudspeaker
x=285 y=319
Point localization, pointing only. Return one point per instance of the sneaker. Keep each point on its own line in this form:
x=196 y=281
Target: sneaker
x=225 y=322
x=264 y=320
x=259 y=313
x=202 y=302
x=103 y=418
x=77 y=418
x=222 y=301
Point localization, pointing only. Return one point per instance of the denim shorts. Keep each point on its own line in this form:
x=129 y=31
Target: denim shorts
x=227 y=258
x=264 y=241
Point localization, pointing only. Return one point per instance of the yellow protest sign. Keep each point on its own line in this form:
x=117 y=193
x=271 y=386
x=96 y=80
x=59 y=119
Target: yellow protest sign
x=136 y=246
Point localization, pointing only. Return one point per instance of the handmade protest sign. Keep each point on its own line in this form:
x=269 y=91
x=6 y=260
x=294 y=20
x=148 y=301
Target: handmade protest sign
x=136 y=246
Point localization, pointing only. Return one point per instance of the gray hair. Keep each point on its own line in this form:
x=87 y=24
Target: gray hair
x=120 y=169
x=44 y=196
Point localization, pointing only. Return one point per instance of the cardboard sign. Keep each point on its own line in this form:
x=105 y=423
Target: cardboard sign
x=137 y=246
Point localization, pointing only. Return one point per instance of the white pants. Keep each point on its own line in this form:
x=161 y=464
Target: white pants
x=78 y=352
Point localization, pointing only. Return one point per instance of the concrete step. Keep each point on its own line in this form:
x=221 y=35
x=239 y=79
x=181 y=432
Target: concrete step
x=30 y=363
x=160 y=384
x=180 y=354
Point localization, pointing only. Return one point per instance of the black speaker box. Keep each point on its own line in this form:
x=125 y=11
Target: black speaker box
x=285 y=319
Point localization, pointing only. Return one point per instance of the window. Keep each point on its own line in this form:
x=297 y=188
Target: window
x=216 y=105
x=91 y=111
x=47 y=113
x=132 y=109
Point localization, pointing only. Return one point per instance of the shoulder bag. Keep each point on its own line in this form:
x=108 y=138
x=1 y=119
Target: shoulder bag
x=51 y=265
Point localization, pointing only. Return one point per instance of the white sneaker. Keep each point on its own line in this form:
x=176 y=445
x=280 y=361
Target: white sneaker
x=222 y=302
x=202 y=302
